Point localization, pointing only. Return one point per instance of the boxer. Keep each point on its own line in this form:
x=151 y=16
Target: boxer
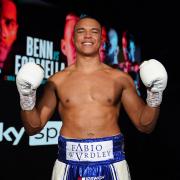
x=88 y=95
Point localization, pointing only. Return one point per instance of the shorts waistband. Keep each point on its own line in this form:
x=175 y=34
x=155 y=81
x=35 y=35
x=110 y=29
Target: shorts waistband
x=104 y=150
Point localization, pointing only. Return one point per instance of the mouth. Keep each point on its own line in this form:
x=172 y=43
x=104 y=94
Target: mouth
x=87 y=43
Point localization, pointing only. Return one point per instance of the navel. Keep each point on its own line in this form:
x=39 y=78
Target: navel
x=91 y=135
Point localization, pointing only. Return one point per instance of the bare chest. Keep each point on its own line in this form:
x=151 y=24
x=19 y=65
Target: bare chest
x=89 y=89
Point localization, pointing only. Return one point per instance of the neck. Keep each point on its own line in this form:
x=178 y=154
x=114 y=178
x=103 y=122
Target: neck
x=88 y=64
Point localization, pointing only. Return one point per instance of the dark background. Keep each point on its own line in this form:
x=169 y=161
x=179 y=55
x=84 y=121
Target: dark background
x=150 y=157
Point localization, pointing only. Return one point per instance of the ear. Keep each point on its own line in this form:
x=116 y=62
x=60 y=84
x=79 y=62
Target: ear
x=63 y=46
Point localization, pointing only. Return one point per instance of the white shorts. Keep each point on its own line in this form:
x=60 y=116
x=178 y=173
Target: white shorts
x=119 y=171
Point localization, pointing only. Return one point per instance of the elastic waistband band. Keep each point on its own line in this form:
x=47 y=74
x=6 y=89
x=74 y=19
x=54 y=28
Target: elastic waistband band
x=97 y=150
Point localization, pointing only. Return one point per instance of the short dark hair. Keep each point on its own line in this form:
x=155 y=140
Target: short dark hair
x=85 y=16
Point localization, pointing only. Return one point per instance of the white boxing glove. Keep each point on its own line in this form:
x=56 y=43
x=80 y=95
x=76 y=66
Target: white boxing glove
x=28 y=80
x=154 y=76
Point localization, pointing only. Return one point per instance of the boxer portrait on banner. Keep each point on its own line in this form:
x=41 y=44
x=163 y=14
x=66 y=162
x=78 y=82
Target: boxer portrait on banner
x=88 y=95
x=131 y=57
x=8 y=32
x=67 y=45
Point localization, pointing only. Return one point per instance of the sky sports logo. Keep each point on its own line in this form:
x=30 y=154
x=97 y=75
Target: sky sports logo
x=48 y=135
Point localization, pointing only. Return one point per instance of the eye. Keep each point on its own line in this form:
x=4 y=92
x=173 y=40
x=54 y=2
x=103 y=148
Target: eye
x=80 y=30
x=9 y=23
x=95 y=31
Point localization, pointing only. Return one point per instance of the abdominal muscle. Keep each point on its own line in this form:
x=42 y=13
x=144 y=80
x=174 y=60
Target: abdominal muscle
x=90 y=121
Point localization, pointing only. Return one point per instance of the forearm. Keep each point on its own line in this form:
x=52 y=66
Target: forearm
x=148 y=118
x=31 y=121
x=28 y=79
x=154 y=76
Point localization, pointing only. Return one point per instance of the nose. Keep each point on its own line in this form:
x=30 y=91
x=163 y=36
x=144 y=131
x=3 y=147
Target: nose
x=87 y=34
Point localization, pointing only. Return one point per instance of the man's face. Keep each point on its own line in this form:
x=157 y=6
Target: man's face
x=113 y=40
x=67 y=45
x=8 y=28
x=132 y=49
x=87 y=37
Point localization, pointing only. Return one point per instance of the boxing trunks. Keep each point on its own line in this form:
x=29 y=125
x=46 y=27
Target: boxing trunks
x=91 y=159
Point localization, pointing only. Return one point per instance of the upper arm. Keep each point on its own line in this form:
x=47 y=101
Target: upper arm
x=47 y=103
x=132 y=103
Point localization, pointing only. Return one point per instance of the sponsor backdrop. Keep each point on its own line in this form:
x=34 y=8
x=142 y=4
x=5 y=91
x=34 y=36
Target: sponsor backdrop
x=40 y=32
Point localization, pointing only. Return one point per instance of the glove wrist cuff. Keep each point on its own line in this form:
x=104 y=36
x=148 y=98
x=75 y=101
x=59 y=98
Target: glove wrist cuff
x=28 y=102
x=154 y=99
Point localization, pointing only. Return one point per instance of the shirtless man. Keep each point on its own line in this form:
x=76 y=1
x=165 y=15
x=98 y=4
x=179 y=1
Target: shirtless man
x=88 y=95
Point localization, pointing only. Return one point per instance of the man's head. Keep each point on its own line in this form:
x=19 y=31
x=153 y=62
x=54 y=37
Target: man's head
x=8 y=28
x=113 y=41
x=124 y=40
x=132 y=49
x=67 y=45
x=113 y=49
x=125 y=46
x=88 y=36
x=129 y=46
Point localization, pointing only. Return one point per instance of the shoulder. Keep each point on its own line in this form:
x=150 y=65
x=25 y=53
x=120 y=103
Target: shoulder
x=59 y=77
x=116 y=73
x=120 y=77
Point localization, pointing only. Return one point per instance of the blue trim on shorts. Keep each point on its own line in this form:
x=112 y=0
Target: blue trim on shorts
x=118 y=149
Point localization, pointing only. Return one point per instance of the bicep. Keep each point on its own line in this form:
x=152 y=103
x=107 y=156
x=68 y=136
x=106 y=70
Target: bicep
x=47 y=102
x=132 y=103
